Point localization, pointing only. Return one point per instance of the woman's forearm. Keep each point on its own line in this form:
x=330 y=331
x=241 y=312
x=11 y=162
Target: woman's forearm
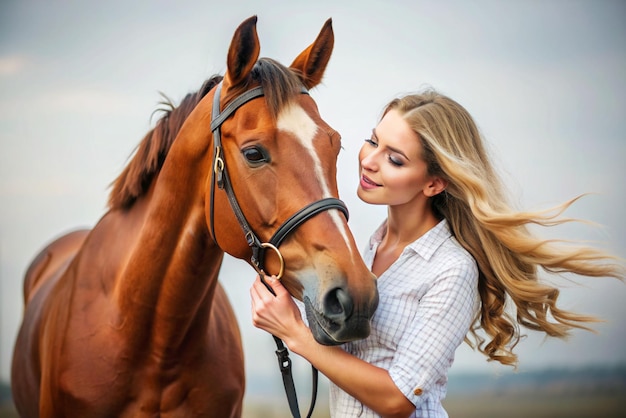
x=371 y=385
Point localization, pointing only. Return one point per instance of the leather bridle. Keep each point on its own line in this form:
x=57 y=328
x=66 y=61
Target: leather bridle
x=220 y=177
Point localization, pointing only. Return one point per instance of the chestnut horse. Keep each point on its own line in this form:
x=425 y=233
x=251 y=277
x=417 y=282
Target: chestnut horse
x=128 y=319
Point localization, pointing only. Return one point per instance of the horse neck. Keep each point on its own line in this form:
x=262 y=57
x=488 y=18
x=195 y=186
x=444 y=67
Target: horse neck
x=170 y=277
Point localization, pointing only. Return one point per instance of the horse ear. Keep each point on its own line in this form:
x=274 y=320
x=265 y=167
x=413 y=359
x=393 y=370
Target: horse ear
x=311 y=63
x=243 y=52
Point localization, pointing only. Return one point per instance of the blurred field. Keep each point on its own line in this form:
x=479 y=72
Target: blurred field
x=483 y=406
x=546 y=394
x=538 y=406
x=497 y=406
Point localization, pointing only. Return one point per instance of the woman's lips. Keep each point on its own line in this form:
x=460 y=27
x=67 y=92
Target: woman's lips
x=367 y=183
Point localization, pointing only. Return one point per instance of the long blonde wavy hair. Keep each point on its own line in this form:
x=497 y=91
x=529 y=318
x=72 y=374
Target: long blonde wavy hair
x=509 y=257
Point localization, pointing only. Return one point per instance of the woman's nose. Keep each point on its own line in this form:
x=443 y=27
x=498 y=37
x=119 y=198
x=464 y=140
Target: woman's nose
x=367 y=159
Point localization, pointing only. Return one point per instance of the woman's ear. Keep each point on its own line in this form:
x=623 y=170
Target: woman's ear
x=435 y=186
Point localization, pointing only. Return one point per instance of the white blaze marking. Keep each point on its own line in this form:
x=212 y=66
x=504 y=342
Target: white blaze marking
x=294 y=119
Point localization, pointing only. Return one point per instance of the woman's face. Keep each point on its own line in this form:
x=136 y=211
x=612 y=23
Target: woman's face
x=392 y=171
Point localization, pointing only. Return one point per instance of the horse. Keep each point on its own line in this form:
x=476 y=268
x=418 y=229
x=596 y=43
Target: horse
x=129 y=318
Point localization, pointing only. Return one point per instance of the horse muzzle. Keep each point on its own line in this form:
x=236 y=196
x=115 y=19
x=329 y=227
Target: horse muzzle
x=337 y=319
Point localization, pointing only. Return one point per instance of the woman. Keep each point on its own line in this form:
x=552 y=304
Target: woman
x=449 y=257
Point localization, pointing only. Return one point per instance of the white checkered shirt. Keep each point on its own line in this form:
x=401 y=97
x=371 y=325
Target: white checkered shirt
x=428 y=299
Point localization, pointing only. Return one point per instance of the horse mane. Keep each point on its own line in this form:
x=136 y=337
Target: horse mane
x=280 y=84
x=150 y=154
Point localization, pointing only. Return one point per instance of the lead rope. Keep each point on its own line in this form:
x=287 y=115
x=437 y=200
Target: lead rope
x=284 y=363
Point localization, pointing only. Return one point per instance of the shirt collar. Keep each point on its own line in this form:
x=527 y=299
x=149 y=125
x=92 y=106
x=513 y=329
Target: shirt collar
x=425 y=246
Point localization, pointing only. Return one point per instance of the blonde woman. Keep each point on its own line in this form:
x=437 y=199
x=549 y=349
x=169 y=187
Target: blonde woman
x=452 y=258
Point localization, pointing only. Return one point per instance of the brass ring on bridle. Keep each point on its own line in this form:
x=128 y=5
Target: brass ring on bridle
x=280 y=257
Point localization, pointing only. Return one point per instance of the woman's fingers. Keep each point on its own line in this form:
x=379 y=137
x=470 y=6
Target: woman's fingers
x=276 y=285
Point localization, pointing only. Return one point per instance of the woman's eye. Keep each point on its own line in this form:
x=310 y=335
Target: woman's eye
x=395 y=161
x=254 y=155
x=371 y=142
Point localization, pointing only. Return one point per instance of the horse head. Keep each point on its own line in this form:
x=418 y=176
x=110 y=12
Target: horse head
x=280 y=156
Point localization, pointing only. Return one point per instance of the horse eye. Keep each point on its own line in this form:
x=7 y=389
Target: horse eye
x=255 y=155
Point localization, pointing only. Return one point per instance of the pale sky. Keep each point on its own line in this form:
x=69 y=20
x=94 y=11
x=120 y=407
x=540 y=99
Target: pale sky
x=543 y=79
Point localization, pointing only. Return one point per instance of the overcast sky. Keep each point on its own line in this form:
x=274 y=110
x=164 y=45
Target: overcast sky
x=544 y=80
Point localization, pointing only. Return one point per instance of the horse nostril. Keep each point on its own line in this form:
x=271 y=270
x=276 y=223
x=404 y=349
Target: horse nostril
x=338 y=305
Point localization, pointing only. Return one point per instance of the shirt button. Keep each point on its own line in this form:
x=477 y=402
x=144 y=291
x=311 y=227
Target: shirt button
x=417 y=391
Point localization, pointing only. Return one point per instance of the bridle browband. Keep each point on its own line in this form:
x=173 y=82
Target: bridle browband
x=220 y=177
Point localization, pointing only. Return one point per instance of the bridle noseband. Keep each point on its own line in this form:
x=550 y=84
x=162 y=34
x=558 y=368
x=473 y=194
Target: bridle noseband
x=220 y=177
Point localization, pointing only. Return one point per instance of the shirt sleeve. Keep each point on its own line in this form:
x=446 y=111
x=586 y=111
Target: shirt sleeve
x=444 y=315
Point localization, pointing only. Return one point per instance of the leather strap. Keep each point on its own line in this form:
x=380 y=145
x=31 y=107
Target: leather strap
x=284 y=364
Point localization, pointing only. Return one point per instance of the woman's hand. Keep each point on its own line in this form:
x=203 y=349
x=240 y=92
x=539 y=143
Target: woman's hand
x=278 y=315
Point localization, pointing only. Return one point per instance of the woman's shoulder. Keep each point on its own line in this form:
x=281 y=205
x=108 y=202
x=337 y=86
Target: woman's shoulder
x=451 y=256
x=453 y=249
x=438 y=256
x=457 y=268
x=439 y=243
